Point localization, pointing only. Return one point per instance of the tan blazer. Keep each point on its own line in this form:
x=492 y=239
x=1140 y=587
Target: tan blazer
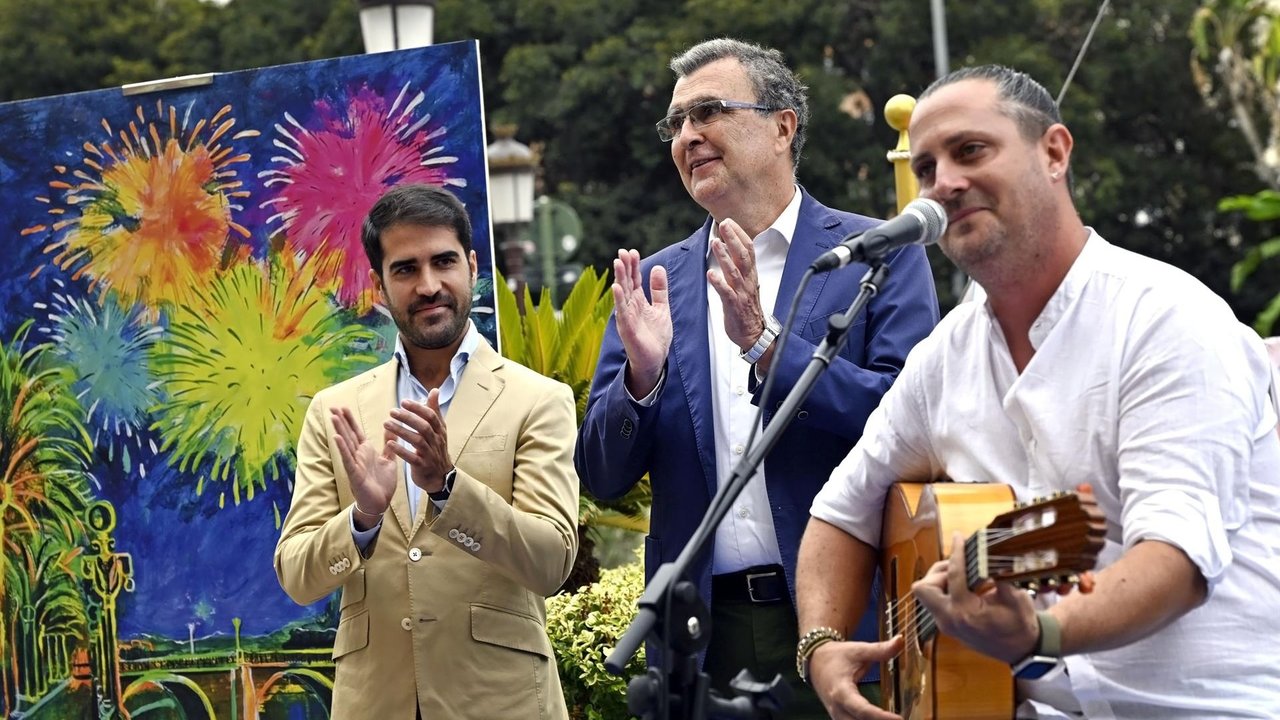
x=446 y=610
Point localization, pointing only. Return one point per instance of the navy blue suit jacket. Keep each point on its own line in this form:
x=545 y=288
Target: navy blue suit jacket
x=673 y=439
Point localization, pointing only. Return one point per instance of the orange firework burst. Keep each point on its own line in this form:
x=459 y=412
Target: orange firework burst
x=148 y=214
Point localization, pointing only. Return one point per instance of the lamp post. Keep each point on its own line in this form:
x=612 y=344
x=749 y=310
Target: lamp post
x=396 y=24
x=511 y=165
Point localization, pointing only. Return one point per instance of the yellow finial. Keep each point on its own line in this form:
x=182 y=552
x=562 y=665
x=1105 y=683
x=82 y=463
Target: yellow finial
x=897 y=112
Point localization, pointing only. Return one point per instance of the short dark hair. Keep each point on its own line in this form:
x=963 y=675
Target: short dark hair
x=774 y=84
x=413 y=204
x=1022 y=99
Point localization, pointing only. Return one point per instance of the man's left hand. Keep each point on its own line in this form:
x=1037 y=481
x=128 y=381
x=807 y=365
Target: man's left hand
x=736 y=284
x=422 y=428
x=999 y=621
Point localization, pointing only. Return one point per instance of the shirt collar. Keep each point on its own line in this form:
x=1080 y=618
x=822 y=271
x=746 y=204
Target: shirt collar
x=783 y=227
x=460 y=357
x=1069 y=290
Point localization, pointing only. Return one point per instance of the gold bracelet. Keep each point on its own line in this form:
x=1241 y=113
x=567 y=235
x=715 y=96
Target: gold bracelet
x=356 y=505
x=811 y=641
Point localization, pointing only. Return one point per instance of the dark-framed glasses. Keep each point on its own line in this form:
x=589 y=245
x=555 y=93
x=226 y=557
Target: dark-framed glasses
x=702 y=114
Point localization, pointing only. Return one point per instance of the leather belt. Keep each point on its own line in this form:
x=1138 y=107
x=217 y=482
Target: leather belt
x=763 y=584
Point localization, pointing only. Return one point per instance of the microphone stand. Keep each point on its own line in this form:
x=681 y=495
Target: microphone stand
x=670 y=606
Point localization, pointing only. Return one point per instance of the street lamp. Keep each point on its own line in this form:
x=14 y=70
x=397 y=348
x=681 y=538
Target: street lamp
x=511 y=165
x=396 y=24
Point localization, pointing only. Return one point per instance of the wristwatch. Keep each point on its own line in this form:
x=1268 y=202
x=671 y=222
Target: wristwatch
x=443 y=493
x=772 y=328
x=1045 y=660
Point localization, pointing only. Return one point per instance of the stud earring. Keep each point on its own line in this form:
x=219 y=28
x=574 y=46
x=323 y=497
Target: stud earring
x=1054 y=175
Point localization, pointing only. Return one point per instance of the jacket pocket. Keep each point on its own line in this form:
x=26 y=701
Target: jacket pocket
x=353 y=634
x=504 y=628
x=485 y=443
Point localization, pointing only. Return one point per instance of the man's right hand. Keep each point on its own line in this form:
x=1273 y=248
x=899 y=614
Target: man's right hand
x=643 y=325
x=834 y=671
x=371 y=470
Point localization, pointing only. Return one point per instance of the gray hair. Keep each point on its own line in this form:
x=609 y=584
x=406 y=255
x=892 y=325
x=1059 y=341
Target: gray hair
x=774 y=84
x=1022 y=99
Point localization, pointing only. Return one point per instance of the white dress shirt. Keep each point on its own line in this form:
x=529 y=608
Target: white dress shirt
x=1144 y=385
x=408 y=388
x=745 y=538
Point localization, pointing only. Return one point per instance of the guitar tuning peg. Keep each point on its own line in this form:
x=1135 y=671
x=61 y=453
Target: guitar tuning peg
x=1033 y=587
x=1072 y=579
x=1051 y=583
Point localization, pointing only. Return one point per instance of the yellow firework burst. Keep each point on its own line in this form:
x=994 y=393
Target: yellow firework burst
x=241 y=362
x=148 y=213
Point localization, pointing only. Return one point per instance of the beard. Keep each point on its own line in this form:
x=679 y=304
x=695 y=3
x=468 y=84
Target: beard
x=433 y=334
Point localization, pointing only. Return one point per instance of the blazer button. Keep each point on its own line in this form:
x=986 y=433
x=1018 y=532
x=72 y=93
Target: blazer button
x=475 y=547
x=627 y=428
x=415 y=554
x=453 y=533
x=407 y=624
x=802 y=414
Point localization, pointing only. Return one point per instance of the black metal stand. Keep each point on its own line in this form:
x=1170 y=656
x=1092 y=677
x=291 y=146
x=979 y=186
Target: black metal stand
x=670 y=607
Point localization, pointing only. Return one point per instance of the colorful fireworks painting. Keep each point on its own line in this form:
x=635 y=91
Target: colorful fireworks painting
x=336 y=165
x=182 y=275
x=242 y=361
x=151 y=216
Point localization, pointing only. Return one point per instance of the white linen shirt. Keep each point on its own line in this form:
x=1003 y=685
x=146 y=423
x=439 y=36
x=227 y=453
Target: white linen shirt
x=1144 y=385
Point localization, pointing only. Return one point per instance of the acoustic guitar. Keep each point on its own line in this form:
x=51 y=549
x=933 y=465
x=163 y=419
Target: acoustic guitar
x=1039 y=545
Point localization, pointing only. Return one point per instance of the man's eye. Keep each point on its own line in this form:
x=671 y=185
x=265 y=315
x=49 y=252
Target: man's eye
x=703 y=113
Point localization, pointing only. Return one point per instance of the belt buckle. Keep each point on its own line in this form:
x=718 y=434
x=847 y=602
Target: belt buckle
x=751 y=590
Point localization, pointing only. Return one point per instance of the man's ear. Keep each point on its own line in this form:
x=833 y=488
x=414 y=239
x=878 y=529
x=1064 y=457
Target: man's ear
x=1057 y=144
x=375 y=280
x=475 y=267
x=786 y=124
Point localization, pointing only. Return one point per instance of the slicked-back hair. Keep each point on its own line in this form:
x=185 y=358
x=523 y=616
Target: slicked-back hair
x=1022 y=99
x=772 y=81
x=413 y=204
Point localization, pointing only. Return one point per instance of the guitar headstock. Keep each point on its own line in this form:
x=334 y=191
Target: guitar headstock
x=1042 y=544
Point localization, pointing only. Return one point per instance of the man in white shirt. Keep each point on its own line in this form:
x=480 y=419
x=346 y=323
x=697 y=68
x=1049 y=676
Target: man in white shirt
x=675 y=393
x=1086 y=364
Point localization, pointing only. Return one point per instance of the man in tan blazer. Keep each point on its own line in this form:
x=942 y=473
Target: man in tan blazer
x=438 y=492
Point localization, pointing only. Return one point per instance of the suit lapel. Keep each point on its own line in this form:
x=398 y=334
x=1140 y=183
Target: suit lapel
x=690 y=350
x=478 y=389
x=375 y=399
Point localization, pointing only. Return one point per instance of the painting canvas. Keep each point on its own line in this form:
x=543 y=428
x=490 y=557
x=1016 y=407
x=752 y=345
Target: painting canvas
x=182 y=272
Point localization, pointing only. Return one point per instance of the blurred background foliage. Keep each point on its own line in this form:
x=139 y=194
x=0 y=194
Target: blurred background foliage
x=586 y=79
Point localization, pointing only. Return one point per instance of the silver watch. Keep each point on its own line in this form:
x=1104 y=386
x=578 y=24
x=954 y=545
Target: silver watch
x=772 y=328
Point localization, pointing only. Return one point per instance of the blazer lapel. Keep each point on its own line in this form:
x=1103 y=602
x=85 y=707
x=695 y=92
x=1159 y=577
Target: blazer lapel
x=375 y=399
x=690 y=349
x=478 y=389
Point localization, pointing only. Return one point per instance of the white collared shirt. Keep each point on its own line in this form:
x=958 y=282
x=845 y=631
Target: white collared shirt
x=1144 y=385
x=408 y=388
x=746 y=536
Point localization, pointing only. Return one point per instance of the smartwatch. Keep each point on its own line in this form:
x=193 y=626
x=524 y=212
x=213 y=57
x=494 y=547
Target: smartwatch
x=1045 y=660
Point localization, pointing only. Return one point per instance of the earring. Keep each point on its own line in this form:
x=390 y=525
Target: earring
x=1054 y=175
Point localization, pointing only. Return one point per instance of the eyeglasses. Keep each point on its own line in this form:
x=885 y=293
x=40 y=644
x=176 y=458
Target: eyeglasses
x=702 y=114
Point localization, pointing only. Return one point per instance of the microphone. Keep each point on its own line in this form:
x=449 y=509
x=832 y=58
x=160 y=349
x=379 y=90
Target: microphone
x=921 y=222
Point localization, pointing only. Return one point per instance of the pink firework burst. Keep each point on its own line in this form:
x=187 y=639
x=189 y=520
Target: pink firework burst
x=335 y=168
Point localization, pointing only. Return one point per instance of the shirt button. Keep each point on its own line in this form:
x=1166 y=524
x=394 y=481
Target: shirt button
x=406 y=623
x=415 y=554
x=738 y=449
x=739 y=390
x=744 y=513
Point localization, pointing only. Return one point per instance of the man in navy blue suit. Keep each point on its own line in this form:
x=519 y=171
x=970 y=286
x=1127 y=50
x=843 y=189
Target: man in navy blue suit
x=694 y=334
